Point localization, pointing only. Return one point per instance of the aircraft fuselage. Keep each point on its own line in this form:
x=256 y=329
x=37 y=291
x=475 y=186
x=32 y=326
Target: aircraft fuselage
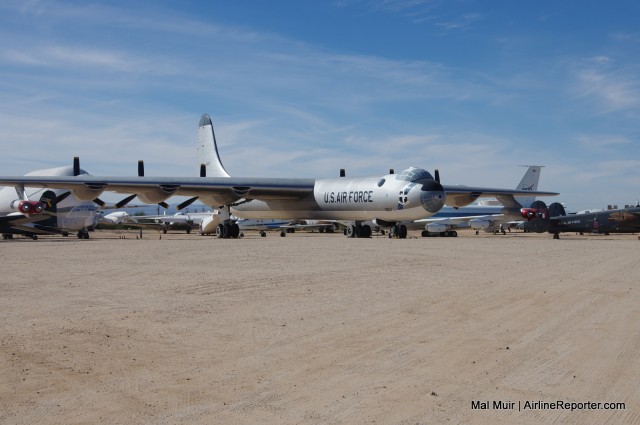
x=367 y=198
x=614 y=221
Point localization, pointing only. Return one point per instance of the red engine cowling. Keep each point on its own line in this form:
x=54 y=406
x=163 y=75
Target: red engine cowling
x=31 y=207
x=531 y=213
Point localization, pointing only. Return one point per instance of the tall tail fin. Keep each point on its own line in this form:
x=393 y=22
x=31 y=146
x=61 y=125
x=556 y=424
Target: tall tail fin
x=208 y=149
x=529 y=182
x=556 y=210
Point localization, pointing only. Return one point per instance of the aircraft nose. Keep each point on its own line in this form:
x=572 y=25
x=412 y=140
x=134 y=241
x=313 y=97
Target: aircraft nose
x=432 y=196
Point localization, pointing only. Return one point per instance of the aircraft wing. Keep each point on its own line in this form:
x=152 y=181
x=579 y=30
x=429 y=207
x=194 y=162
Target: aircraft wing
x=18 y=219
x=17 y=223
x=218 y=190
x=459 y=196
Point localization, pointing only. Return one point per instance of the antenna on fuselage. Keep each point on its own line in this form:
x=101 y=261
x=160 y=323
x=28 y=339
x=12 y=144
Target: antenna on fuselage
x=342 y=172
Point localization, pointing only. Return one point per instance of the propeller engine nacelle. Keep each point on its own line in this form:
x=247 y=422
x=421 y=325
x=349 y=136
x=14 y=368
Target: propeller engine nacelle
x=432 y=196
x=28 y=207
x=532 y=213
x=158 y=194
x=89 y=192
x=540 y=220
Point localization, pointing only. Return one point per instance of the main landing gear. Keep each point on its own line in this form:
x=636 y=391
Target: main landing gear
x=83 y=234
x=227 y=230
x=448 y=233
x=398 y=231
x=358 y=231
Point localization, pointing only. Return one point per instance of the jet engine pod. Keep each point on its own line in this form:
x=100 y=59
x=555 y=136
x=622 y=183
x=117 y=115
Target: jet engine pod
x=30 y=207
x=479 y=224
x=436 y=227
x=432 y=196
x=540 y=221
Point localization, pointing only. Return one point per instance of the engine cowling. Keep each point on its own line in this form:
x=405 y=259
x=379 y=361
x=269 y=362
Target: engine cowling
x=479 y=224
x=158 y=194
x=436 y=227
x=28 y=207
x=88 y=192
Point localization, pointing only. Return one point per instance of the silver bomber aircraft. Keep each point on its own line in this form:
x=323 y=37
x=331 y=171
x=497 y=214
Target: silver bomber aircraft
x=391 y=200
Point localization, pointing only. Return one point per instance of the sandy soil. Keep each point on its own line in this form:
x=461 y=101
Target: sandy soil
x=318 y=329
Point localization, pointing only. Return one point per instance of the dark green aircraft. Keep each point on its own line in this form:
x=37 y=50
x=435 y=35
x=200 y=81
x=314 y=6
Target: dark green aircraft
x=554 y=219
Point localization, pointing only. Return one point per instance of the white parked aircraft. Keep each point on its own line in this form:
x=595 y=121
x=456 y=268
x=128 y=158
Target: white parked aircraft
x=390 y=200
x=64 y=212
x=490 y=216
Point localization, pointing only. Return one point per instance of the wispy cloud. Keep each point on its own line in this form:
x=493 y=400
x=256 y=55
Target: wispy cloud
x=615 y=88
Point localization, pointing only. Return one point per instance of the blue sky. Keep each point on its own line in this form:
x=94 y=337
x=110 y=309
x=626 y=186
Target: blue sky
x=304 y=88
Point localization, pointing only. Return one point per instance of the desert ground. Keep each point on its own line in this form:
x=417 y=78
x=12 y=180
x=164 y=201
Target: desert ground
x=319 y=329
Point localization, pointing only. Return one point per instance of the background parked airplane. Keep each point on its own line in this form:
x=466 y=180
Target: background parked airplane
x=489 y=215
x=66 y=213
x=553 y=219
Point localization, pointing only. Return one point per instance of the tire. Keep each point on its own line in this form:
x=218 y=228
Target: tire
x=234 y=230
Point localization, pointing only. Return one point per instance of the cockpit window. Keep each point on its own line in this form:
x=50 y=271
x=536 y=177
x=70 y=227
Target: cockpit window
x=414 y=174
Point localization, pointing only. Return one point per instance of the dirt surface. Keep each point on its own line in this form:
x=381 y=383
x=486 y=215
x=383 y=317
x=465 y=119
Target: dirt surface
x=319 y=329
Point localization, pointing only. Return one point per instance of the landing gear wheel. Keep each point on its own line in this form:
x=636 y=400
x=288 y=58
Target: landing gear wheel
x=283 y=233
x=263 y=234
x=219 y=230
x=351 y=231
x=226 y=231
x=402 y=231
x=234 y=230
x=34 y=237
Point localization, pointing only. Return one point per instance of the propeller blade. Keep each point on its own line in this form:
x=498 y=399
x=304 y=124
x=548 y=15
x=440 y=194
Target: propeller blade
x=99 y=201
x=437 y=173
x=61 y=197
x=163 y=204
x=140 y=168
x=203 y=170
x=76 y=166
x=125 y=201
x=186 y=203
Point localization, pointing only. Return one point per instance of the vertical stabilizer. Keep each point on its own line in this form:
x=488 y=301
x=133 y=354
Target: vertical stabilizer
x=529 y=182
x=208 y=149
